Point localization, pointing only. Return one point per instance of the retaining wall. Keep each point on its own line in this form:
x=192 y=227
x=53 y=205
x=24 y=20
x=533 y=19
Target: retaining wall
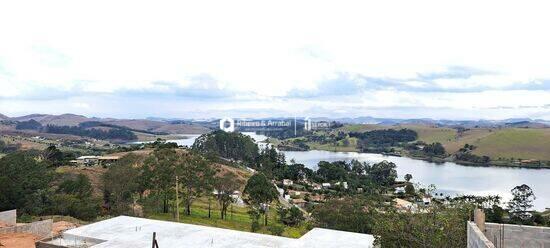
x=476 y=238
x=505 y=235
x=9 y=217
x=42 y=229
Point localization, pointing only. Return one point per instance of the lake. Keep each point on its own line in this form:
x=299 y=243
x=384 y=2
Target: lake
x=449 y=178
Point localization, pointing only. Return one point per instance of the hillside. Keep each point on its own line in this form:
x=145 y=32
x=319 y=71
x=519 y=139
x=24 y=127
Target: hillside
x=136 y=124
x=3 y=117
x=505 y=142
x=524 y=143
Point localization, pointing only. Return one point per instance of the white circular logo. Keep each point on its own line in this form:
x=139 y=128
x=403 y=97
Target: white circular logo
x=230 y=128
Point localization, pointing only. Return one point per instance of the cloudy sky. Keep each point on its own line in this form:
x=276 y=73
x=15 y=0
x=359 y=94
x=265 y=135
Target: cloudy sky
x=403 y=59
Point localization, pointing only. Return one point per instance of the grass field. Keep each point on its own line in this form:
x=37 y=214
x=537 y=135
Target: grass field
x=524 y=143
x=516 y=143
x=237 y=220
x=430 y=134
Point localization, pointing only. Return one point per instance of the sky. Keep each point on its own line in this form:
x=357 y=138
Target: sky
x=210 y=59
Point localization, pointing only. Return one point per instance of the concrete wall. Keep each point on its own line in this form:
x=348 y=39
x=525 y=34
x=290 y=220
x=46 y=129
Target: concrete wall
x=9 y=217
x=476 y=238
x=504 y=235
x=42 y=229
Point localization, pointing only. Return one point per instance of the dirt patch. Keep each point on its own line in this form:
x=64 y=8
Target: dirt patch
x=4 y=224
x=17 y=240
x=61 y=226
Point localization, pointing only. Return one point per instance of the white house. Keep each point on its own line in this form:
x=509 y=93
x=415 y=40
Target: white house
x=287 y=182
x=326 y=185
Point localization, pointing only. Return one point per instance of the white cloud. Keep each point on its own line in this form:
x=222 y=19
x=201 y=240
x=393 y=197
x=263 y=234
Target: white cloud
x=264 y=51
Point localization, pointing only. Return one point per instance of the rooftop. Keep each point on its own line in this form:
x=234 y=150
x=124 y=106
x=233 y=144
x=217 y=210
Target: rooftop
x=124 y=231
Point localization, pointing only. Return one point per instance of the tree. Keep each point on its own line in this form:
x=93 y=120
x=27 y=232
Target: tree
x=434 y=149
x=522 y=201
x=228 y=145
x=383 y=173
x=161 y=165
x=52 y=155
x=21 y=177
x=195 y=178
x=436 y=226
x=261 y=192
x=346 y=214
x=408 y=177
x=81 y=186
x=225 y=186
x=409 y=189
x=119 y=184
x=75 y=198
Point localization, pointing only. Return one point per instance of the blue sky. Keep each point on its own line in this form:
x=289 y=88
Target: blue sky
x=399 y=59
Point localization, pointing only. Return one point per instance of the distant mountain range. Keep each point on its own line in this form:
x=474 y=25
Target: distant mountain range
x=190 y=126
x=515 y=122
x=136 y=124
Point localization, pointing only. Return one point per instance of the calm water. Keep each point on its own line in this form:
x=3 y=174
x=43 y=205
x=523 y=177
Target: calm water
x=450 y=178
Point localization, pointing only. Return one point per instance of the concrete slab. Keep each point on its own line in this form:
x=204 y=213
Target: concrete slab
x=124 y=231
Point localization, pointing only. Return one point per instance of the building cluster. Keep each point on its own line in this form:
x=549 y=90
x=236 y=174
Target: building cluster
x=94 y=160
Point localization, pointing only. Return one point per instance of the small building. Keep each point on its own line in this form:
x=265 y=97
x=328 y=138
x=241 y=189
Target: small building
x=87 y=160
x=297 y=193
x=426 y=200
x=299 y=202
x=404 y=205
x=399 y=190
x=344 y=184
x=359 y=190
x=287 y=182
x=317 y=198
x=326 y=185
x=107 y=160
x=316 y=186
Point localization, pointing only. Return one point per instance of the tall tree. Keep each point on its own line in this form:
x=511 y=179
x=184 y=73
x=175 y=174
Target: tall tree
x=195 y=178
x=522 y=201
x=119 y=185
x=21 y=176
x=261 y=192
x=161 y=164
x=225 y=186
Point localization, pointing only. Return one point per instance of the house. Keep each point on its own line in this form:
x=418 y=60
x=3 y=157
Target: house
x=399 y=190
x=344 y=184
x=316 y=186
x=404 y=205
x=297 y=193
x=326 y=185
x=287 y=182
x=299 y=202
x=96 y=160
x=359 y=190
x=87 y=160
x=107 y=160
x=317 y=198
x=426 y=200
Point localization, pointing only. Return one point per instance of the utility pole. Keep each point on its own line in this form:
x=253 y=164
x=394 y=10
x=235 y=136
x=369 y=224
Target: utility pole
x=177 y=201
